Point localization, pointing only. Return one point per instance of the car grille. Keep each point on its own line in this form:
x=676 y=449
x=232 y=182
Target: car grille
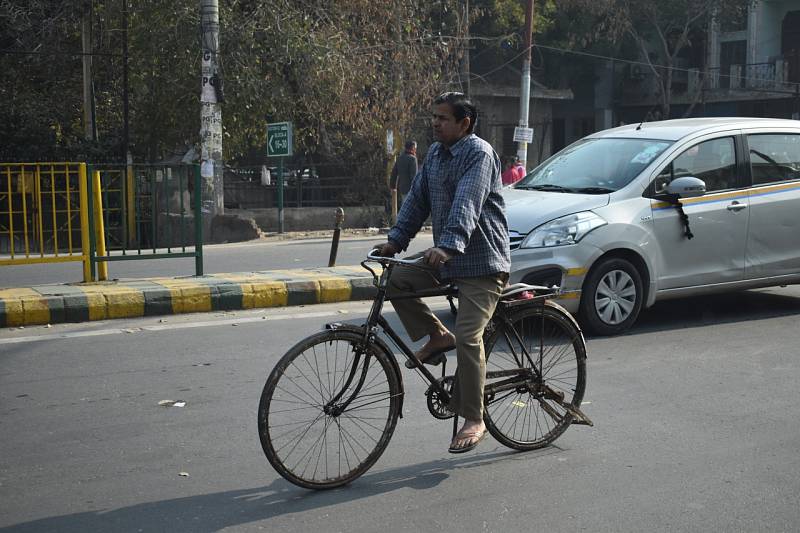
x=515 y=239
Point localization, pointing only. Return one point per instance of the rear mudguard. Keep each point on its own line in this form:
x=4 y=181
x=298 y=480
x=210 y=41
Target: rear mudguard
x=560 y=309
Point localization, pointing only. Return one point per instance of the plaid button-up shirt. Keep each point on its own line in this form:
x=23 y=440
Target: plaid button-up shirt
x=460 y=188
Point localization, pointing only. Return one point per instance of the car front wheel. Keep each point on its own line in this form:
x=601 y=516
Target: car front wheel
x=612 y=297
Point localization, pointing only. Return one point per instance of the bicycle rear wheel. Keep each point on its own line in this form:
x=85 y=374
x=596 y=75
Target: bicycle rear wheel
x=328 y=409
x=545 y=343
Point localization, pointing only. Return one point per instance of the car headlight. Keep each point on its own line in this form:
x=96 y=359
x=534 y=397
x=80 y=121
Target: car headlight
x=562 y=231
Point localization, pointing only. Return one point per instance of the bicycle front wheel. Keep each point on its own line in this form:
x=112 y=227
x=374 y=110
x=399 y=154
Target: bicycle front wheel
x=328 y=409
x=545 y=344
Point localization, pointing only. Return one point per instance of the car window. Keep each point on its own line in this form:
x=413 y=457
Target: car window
x=774 y=157
x=712 y=161
x=594 y=166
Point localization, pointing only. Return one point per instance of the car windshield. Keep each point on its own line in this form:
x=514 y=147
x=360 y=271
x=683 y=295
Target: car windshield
x=594 y=166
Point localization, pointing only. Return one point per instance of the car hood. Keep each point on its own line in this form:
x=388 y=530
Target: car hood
x=528 y=209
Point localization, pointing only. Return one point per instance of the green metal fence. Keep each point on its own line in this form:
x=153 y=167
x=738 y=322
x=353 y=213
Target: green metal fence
x=145 y=212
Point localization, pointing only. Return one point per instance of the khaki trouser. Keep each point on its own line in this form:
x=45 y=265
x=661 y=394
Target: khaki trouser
x=477 y=298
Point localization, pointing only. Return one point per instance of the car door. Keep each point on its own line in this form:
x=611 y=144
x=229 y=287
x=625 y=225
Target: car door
x=773 y=245
x=718 y=220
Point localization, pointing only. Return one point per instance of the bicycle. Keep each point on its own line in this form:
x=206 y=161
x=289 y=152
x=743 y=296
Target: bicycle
x=331 y=404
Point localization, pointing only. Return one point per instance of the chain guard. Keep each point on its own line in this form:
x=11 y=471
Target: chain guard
x=437 y=404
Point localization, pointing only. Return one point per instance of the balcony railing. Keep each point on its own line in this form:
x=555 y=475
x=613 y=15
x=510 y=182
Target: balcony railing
x=750 y=76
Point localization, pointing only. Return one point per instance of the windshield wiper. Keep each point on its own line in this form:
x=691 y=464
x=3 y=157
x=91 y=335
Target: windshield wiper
x=594 y=190
x=547 y=187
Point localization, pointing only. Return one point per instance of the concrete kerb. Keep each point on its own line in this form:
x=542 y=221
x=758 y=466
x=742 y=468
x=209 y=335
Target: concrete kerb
x=80 y=302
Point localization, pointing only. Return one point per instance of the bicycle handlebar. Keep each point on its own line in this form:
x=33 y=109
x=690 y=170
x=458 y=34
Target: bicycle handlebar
x=382 y=259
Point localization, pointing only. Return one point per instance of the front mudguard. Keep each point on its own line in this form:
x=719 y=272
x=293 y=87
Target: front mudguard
x=381 y=345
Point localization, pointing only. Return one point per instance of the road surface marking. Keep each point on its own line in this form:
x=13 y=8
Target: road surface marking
x=166 y=327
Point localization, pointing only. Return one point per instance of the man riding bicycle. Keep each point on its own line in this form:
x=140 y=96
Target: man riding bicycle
x=459 y=187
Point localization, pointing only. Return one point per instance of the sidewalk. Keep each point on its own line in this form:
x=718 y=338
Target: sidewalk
x=81 y=302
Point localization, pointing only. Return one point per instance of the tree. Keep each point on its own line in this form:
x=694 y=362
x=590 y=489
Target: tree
x=343 y=71
x=660 y=32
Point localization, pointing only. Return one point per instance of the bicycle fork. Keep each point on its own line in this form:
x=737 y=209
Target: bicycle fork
x=333 y=408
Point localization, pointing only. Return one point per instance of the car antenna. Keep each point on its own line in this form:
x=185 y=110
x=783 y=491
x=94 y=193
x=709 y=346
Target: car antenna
x=639 y=126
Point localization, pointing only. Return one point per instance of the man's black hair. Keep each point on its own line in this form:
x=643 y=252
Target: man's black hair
x=462 y=107
x=410 y=144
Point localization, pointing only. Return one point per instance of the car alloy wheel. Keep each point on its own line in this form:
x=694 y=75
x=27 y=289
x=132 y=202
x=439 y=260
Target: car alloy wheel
x=615 y=297
x=613 y=294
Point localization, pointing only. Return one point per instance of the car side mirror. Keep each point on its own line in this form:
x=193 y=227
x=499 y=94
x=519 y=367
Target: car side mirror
x=686 y=187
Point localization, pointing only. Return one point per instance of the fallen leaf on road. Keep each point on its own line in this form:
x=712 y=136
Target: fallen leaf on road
x=179 y=404
x=343 y=311
x=183 y=474
x=167 y=403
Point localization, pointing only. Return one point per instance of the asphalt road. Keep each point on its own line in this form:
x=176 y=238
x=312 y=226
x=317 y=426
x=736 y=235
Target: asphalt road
x=695 y=430
x=250 y=256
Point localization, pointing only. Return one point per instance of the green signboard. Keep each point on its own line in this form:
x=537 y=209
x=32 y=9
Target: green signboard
x=279 y=139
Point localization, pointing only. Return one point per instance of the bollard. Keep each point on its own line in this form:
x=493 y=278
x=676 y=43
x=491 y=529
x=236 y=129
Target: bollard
x=336 y=231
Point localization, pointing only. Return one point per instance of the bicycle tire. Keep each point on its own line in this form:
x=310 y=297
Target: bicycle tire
x=298 y=389
x=511 y=416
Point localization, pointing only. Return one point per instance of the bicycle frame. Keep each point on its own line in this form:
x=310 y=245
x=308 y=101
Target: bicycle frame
x=375 y=319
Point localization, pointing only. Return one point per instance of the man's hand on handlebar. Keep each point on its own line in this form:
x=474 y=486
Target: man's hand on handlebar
x=387 y=249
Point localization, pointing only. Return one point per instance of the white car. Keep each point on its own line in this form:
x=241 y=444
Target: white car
x=644 y=212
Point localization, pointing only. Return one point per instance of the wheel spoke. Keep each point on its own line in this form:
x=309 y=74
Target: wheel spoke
x=603 y=289
x=626 y=306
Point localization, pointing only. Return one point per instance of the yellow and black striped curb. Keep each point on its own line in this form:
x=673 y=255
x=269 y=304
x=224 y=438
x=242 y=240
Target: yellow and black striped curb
x=50 y=304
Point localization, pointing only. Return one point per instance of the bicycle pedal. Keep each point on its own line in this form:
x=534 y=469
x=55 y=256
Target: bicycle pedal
x=434 y=360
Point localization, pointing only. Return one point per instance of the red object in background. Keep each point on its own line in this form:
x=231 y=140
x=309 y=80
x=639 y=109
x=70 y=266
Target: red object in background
x=509 y=176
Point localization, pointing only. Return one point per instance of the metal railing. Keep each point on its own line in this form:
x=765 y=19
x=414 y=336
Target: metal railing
x=147 y=212
x=774 y=75
x=316 y=192
x=43 y=214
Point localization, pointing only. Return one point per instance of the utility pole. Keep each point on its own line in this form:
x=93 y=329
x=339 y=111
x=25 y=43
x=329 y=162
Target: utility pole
x=465 y=67
x=88 y=93
x=125 y=95
x=525 y=92
x=129 y=194
x=211 y=111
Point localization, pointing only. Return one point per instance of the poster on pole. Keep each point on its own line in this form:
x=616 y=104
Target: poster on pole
x=208 y=94
x=523 y=135
x=389 y=142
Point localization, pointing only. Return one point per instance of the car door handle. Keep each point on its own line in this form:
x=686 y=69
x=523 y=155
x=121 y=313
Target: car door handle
x=736 y=206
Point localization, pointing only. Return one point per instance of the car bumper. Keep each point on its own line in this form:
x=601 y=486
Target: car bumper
x=565 y=265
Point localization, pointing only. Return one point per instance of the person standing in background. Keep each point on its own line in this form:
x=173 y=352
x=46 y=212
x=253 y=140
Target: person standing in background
x=510 y=174
x=520 y=168
x=405 y=168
